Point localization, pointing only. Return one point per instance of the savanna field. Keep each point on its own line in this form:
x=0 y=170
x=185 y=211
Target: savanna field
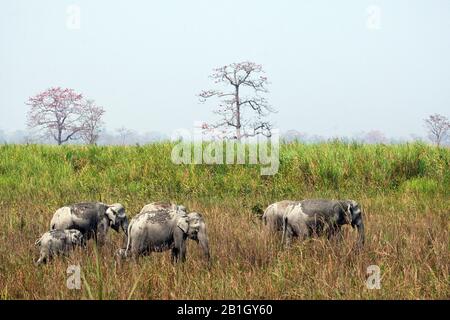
x=404 y=191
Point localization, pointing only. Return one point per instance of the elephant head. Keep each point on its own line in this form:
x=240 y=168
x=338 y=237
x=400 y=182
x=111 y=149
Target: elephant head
x=75 y=237
x=195 y=228
x=354 y=218
x=117 y=217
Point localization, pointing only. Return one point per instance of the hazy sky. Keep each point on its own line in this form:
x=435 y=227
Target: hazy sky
x=332 y=71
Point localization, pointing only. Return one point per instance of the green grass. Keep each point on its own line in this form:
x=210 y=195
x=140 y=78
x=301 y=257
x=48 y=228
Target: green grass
x=404 y=191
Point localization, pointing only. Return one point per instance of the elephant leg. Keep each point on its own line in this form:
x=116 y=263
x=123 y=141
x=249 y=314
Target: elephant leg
x=125 y=241
x=90 y=234
x=274 y=225
x=84 y=240
x=300 y=230
x=183 y=252
x=132 y=251
x=102 y=230
x=288 y=234
x=179 y=249
x=174 y=255
x=179 y=254
x=334 y=233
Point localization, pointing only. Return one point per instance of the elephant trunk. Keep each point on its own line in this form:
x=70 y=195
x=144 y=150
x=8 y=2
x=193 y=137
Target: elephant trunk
x=202 y=238
x=124 y=226
x=361 y=236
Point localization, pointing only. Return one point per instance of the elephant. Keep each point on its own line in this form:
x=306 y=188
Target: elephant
x=92 y=218
x=319 y=216
x=273 y=215
x=57 y=242
x=163 y=226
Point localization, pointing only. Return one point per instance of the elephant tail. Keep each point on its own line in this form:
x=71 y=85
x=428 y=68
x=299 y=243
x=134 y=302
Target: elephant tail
x=265 y=213
x=264 y=217
x=285 y=222
x=38 y=242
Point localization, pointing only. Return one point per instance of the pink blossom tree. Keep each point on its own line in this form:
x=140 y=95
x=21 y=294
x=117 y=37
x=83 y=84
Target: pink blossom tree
x=63 y=115
x=241 y=107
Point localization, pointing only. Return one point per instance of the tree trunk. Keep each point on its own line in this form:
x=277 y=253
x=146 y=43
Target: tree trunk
x=59 y=137
x=238 y=115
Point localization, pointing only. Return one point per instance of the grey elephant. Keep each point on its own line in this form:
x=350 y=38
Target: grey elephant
x=57 y=242
x=165 y=226
x=319 y=216
x=93 y=219
x=273 y=215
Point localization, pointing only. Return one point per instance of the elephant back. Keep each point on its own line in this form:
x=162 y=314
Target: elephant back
x=160 y=205
x=313 y=207
x=160 y=216
x=58 y=234
x=88 y=210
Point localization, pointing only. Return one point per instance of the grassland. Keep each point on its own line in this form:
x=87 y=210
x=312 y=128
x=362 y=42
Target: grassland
x=404 y=191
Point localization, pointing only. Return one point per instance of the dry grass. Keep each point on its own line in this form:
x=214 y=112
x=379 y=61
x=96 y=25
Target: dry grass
x=410 y=247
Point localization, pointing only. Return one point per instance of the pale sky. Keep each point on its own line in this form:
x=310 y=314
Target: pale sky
x=335 y=67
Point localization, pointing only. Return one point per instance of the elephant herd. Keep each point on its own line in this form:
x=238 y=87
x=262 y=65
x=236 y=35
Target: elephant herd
x=162 y=226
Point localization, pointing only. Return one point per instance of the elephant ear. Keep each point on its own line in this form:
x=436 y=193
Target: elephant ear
x=76 y=237
x=183 y=224
x=118 y=209
x=111 y=214
x=348 y=213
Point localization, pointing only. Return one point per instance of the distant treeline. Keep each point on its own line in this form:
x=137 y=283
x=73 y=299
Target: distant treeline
x=124 y=136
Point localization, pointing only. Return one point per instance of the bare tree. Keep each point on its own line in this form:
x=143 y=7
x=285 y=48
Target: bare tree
x=438 y=128
x=242 y=108
x=124 y=135
x=92 y=122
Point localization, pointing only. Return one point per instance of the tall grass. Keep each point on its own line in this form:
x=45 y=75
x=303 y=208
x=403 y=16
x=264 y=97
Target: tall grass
x=404 y=191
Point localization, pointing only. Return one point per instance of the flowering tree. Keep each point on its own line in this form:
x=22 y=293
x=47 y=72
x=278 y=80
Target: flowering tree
x=242 y=108
x=438 y=128
x=63 y=115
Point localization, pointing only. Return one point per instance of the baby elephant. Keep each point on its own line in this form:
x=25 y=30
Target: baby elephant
x=57 y=242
